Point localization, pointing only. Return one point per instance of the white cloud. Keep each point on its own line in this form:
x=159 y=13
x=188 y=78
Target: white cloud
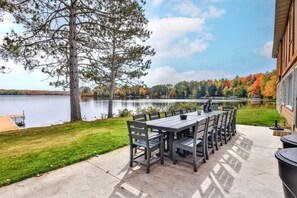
x=157 y=2
x=170 y=37
x=184 y=35
x=214 y=12
x=168 y=75
x=266 y=50
x=187 y=8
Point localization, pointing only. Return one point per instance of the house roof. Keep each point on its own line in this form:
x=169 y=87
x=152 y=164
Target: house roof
x=282 y=8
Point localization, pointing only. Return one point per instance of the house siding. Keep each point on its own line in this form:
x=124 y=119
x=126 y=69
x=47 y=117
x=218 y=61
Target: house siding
x=285 y=65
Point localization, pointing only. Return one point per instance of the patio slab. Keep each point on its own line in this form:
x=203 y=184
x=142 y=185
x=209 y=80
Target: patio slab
x=245 y=167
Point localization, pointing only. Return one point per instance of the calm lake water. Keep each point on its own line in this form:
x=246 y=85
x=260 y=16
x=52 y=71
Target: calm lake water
x=48 y=110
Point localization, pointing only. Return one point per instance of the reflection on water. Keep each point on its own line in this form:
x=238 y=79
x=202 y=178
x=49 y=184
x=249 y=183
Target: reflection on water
x=48 y=110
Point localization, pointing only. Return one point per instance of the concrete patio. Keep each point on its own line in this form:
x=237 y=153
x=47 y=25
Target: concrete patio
x=245 y=167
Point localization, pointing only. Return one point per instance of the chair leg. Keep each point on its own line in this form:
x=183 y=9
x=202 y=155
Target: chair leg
x=216 y=140
x=131 y=155
x=194 y=161
x=161 y=151
x=203 y=154
x=212 y=143
x=148 y=161
x=225 y=135
x=206 y=149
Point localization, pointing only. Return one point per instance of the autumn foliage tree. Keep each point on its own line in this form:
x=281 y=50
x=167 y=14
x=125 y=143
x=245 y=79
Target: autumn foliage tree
x=242 y=87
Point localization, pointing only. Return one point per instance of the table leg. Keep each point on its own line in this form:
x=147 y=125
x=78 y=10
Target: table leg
x=170 y=145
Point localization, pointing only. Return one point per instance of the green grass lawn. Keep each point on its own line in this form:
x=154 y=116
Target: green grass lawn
x=259 y=116
x=29 y=152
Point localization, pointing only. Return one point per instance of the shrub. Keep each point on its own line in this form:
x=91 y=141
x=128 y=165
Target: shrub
x=181 y=105
x=147 y=110
x=125 y=113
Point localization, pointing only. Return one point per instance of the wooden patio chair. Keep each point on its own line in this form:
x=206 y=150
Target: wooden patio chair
x=227 y=108
x=210 y=146
x=139 y=138
x=155 y=116
x=184 y=110
x=226 y=128
x=218 y=134
x=177 y=112
x=140 y=117
x=191 y=145
x=192 y=109
x=169 y=113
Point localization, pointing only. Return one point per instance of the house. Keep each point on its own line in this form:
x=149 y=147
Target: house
x=285 y=50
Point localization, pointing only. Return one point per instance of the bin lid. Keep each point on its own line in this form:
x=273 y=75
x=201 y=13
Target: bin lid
x=292 y=139
x=288 y=155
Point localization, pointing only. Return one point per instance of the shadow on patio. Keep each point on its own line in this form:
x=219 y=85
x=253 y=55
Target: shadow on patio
x=213 y=179
x=245 y=167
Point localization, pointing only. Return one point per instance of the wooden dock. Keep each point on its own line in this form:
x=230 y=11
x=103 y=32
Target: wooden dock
x=7 y=123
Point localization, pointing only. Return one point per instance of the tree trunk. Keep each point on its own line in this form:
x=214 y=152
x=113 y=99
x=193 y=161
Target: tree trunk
x=113 y=76
x=73 y=65
x=111 y=93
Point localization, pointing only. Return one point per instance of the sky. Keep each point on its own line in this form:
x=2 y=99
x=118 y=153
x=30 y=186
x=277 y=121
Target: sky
x=193 y=40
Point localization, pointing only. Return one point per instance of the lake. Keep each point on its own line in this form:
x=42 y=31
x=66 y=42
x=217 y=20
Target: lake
x=47 y=110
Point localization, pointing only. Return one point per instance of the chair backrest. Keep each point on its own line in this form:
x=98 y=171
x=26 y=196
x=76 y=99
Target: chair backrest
x=230 y=117
x=184 y=110
x=211 y=123
x=221 y=120
x=169 y=113
x=200 y=129
x=139 y=117
x=137 y=131
x=154 y=115
x=217 y=117
x=234 y=113
x=177 y=111
x=192 y=109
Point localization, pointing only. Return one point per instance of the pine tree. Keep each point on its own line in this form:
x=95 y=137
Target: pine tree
x=122 y=58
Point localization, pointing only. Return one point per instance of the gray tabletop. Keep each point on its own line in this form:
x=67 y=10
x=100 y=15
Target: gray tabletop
x=175 y=124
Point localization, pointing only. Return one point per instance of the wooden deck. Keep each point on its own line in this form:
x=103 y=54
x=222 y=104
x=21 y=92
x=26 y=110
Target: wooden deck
x=6 y=124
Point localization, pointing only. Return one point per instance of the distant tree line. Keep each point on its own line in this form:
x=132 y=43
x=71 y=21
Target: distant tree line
x=31 y=92
x=261 y=85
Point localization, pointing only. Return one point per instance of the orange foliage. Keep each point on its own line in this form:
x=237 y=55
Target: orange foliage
x=226 y=83
x=120 y=92
x=255 y=89
x=270 y=88
x=144 y=91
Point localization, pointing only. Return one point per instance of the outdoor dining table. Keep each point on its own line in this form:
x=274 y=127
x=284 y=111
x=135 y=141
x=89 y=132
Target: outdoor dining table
x=175 y=124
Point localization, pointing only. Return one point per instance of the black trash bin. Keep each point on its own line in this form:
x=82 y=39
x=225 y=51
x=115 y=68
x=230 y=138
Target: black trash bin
x=287 y=166
x=289 y=141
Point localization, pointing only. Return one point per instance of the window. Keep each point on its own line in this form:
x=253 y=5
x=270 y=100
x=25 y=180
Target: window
x=278 y=94
x=283 y=92
x=289 y=91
